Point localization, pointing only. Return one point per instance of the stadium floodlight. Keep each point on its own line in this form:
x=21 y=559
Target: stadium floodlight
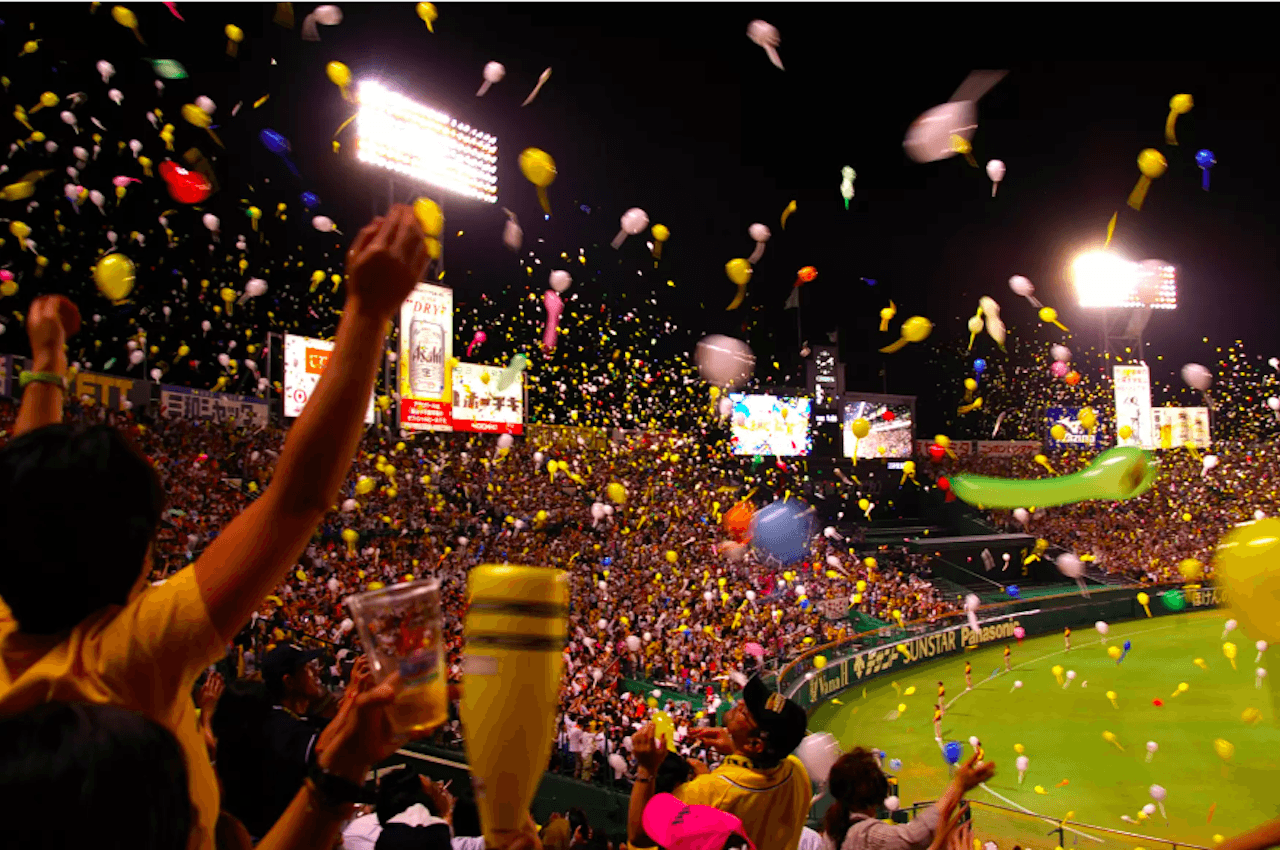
x=1103 y=279
x=424 y=144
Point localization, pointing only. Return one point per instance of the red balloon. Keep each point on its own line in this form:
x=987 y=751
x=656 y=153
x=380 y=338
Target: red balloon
x=185 y=187
x=1157 y=702
x=888 y=416
x=167 y=169
x=943 y=483
x=936 y=452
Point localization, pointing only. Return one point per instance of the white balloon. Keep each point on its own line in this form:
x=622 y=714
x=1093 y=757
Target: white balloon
x=506 y=441
x=766 y=35
x=724 y=361
x=494 y=72
x=1259 y=516
x=608 y=510
x=1209 y=462
x=116 y=96
x=633 y=643
x=1261 y=672
x=971 y=602
x=1261 y=646
x=136 y=357
x=759 y=232
x=1149 y=809
x=892 y=803
x=1060 y=353
x=751 y=596
x=1021 y=286
x=996 y=172
x=211 y=222
x=347 y=624
x=973 y=741
x=1197 y=377
x=1102 y=627
x=1152 y=746
x=322 y=223
x=633 y=221
x=224 y=360
x=818 y=753
x=929 y=137
x=206 y=104
x=833 y=562
x=255 y=287
x=1157 y=793
x=155 y=375
x=348 y=506
x=1070 y=566
x=1071 y=674
x=708 y=595
x=328 y=15
x=106 y=69
x=1230 y=625
x=1274 y=403
x=799 y=590
x=560 y=280
x=1022 y=762
x=1021 y=515
x=538 y=458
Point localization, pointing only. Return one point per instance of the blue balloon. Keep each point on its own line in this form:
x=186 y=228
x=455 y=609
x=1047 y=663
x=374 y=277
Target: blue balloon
x=782 y=531
x=607 y=561
x=1127 y=646
x=1205 y=159
x=895 y=764
x=952 y=751
x=274 y=142
x=979 y=365
x=310 y=201
x=1013 y=591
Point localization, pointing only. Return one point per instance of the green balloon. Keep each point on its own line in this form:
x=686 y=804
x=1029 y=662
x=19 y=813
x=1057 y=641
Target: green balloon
x=508 y=375
x=168 y=69
x=1118 y=473
x=1173 y=600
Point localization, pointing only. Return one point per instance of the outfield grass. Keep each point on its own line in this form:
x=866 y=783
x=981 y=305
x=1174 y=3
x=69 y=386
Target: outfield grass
x=1062 y=732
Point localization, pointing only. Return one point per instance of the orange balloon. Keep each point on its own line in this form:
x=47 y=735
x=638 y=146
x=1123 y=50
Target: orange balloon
x=1072 y=378
x=808 y=273
x=737 y=521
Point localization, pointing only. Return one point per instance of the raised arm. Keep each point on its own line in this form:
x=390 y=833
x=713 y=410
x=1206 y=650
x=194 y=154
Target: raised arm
x=50 y=321
x=253 y=554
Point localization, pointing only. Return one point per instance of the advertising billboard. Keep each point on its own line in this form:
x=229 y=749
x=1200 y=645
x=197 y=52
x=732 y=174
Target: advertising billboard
x=304 y=361
x=1133 y=405
x=478 y=404
x=769 y=425
x=426 y=347
x=1076 y=438
x=892 y=426
x=1174 y=427
x=186 y=403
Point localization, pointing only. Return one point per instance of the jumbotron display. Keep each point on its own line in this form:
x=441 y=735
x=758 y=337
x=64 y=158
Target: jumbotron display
x=892 y=428
x=1105 y=280
x=769 y=425
x=425 y=144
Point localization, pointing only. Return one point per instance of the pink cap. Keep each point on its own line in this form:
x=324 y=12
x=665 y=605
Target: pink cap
x=677 y=826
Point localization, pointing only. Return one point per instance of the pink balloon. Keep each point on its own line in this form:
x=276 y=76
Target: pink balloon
x=1059 y=369
x=6 y=275
x=554 y=307
x=1019 y=632
x=124 y=181
x=478 y=339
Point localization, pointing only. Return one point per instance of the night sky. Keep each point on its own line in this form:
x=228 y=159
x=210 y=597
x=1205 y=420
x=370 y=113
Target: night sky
x=669 y=107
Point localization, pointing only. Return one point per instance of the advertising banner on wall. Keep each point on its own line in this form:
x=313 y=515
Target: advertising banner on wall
x=1007 y=448
x=111 y=391
x=1174 y=427
x=186 y=403
x=304 y=361
x=426 y=347
x=478 y=404
x=1076 y=437
x=1133 y=405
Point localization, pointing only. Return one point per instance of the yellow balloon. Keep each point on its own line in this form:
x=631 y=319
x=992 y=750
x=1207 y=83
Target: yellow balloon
x=228 y=294
x=970 y=384
x=124 y=17
x=1224 y=748
x=234 y=33
x=538 y=167
x=1113 y=651
x=19 y=229
x=339 y=74
x=661 y=233
x=1143 y=599
x=863 y=504
x=1191 y=569
x=1247 y=563
x=1058 y=432
x=193 y=114
x=917 y=328
x=819 y=661
x=184 y=350
x=861 y=428
x=672 y=557
x=8 y=289
x=114 y=274
x=739 y=271
x=1229 y=650
x=1125 y=432
x=429 y=216
x=1152 y=163
x=617 y=493
x=1048 y=315
x=48 y=99
x=428 y=13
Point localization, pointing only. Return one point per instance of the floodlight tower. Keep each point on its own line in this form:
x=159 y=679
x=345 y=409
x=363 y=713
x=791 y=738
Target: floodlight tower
x=1134 y=291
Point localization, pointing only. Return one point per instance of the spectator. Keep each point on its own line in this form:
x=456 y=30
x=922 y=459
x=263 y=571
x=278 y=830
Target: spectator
x=859 y=788
x=80 y=511
x=760 y=782
x=679 y=826
x=75 y=775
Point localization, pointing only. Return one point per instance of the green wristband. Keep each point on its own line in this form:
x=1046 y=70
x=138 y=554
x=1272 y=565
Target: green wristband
x=42 y=378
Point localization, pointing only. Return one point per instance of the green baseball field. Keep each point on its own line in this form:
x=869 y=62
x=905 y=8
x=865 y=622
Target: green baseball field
x=1219 y=766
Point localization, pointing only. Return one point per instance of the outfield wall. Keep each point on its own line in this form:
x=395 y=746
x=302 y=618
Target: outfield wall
x=866 y=656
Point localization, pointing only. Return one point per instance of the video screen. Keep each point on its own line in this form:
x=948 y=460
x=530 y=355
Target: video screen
x=892 y=430
x=769 y=425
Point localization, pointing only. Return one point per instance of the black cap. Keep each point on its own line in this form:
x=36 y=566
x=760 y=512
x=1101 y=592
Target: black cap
x=784 y=722
x=285 y=660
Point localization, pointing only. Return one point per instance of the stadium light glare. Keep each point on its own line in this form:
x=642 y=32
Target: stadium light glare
x=1103 y=279
x=425 y=144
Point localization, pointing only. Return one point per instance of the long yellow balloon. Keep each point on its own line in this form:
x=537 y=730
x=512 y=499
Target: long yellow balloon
x=786 y=214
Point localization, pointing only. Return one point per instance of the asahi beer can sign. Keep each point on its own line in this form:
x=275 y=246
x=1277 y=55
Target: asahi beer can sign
x=426 y=347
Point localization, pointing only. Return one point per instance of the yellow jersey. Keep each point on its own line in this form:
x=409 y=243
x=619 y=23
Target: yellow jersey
x=145 y=656
x=772 y=803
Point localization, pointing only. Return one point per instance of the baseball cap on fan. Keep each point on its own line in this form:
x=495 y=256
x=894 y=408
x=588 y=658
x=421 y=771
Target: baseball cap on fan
x=677 y=826
x=784 y=722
